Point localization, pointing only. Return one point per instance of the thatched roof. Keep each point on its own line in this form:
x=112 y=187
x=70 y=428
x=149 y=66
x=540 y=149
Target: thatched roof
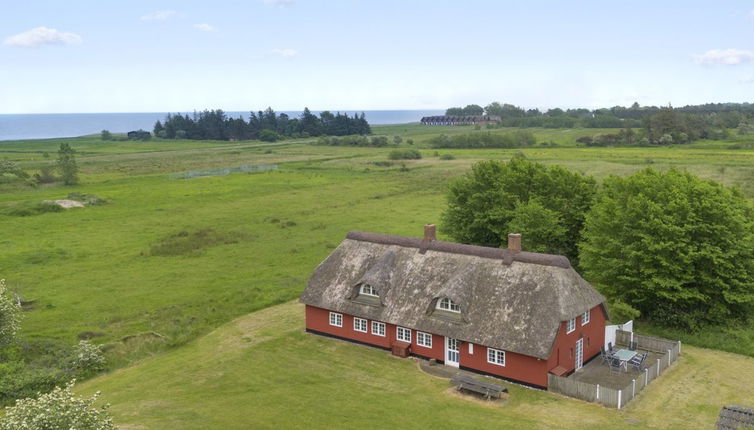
x=514 y=301
x=735 y=417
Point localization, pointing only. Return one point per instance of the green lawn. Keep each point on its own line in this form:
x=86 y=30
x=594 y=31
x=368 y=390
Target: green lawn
x=263 y=371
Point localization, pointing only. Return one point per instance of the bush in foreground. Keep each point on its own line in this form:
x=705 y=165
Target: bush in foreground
x=57 y=410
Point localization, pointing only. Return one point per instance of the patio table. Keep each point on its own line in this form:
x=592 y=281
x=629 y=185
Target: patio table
x=624 y=355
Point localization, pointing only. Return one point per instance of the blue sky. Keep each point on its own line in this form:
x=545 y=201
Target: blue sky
x=147 y=56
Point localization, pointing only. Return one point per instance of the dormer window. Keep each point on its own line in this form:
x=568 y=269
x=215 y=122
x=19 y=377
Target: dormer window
x=368 y=290
x=446 y=304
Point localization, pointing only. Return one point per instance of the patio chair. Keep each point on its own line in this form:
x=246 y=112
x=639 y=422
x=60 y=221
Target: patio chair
x=632 y=345
x=615 y=365
x=606 y=356
x=610 y=347
x=638 y=361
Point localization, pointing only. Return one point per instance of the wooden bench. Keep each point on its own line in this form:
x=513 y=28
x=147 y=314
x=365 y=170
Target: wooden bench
x=488 y=390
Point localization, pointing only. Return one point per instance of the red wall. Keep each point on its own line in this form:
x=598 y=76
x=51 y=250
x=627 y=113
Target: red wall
x=517 y=367
x=318 y=319
x=564 y=350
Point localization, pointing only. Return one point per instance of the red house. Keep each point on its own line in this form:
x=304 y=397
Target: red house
x=504 y=312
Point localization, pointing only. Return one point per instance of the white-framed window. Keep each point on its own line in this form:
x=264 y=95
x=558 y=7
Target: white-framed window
x=368 y=290
x=360 y=324
x=446 y=304
x=336 y=319
x=495 y=356
x=471 y=348
x=403 y=334
x=585 y=317
x=571 y=325
x=378 y=328
x=424 y=339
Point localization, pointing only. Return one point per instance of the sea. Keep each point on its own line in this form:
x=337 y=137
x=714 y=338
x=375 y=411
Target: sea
x=46 y=126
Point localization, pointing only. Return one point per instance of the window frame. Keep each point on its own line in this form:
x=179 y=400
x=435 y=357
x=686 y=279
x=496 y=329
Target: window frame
x=571 y=325
x=421 y=337
x=369 y=291
x=399 y=330
x=358 y=322
x=448 y=305
x=382 y=331
x=336 y=319
x=496 y=354
x=586 y=317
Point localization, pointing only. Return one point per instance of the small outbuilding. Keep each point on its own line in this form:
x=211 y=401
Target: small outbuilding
x=504 y=312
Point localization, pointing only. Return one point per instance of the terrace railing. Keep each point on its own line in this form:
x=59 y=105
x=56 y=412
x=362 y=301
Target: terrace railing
x=618 y=398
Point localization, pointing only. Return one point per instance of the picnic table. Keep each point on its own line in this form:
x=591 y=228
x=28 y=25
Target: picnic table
x=624 y=355
x=487 y=389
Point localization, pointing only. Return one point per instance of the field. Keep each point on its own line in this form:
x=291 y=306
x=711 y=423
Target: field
x=168 y=259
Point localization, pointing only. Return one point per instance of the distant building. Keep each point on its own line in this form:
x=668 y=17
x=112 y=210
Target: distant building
x=460 y=120
x=504 y=312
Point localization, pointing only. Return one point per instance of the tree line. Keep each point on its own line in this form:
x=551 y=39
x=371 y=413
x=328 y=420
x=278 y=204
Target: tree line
x=669 y=246
x=264 y=125
x=656 y=125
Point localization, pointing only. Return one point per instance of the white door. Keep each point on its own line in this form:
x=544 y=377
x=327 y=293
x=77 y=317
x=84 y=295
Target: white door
x=579 y=353
x=452 y=352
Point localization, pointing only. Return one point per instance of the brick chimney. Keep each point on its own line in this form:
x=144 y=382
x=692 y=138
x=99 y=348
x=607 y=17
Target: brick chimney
x=430 y=233
x=514 y=242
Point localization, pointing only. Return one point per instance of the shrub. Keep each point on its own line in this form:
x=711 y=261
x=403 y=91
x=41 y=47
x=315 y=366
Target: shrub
x=45 y=176
x=268 y=136
x=106 y=135
x=517 y=139
x=31 y=209
x=621 y=312
x=10 y=315
x=59 y=409
x=404 y=154
x=87 y=358
x=10 y=168
x=447 y=157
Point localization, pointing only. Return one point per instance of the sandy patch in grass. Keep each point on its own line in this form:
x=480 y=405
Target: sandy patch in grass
x=66 y=204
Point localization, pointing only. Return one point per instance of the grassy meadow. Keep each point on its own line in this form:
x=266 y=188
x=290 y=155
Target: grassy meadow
x=168 y=260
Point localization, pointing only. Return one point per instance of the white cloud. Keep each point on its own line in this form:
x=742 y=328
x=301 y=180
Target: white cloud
x=160 y=15
x=279 y=3
x=204 y=27
x=725 y=57
x=39 y=36
x=285 y=52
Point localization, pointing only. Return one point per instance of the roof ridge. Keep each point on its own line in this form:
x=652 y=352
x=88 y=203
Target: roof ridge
x=505 y=255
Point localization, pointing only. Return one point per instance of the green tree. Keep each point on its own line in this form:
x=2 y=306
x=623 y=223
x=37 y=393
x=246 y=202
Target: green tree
x=675 y=247
x=106 y=135
x=495 y=198
x=542 y=229
x=67 y=164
